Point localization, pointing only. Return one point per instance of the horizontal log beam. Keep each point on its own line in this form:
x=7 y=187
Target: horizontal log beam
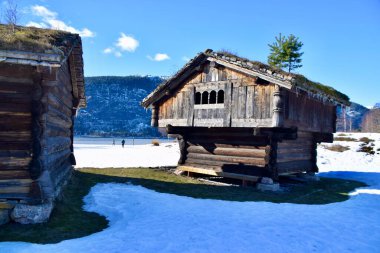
x=229 y=159
x=220 y=174
x=241 y=152
x=228 y=145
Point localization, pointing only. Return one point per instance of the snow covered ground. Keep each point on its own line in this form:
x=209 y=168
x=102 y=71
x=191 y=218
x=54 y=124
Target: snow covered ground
x=100 y=153
x=143 y=220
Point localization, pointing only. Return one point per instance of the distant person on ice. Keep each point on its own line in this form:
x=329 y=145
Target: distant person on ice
x=122 y=143
x=113 y=142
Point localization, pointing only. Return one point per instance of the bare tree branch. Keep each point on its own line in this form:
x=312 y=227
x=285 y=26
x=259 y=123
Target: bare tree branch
x=11 y=14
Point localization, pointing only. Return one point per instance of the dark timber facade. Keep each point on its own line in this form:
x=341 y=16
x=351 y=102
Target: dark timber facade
x=242 y=119
x=41 y=88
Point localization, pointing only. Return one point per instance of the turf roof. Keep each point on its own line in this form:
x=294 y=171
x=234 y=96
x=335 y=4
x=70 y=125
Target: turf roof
x=36 y=40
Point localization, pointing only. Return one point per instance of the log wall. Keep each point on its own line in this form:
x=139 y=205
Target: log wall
x=298 y=155
x=36 y=121
x=16 y=87
x=226 y=151
x=56 y=119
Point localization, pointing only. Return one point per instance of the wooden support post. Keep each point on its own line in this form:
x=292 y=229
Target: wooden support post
x=272 y=165
x=37 y=127
x=314 y=155
x=278 y=112
x=154 y=120
x=183 y=149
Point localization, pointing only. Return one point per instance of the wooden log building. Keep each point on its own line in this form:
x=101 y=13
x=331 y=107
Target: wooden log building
x=243 y=119
x=41 y=88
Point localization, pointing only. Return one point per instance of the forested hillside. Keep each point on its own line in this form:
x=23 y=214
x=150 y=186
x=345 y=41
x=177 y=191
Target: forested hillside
x=113 y=107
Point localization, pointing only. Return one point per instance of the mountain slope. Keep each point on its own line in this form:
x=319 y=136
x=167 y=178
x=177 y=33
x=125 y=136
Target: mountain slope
x=113 y=107
x=354 y=117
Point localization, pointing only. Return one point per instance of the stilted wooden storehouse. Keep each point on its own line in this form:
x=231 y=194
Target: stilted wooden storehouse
x=41 y=88
x=243 y=119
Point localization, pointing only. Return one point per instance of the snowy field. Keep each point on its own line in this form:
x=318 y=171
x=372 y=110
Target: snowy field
x=143 y=220
x=101 y=153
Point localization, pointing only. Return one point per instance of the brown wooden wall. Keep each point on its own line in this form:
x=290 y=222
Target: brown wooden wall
x=36 y=120
x=308 y=114
x=297 y=155
x=226 y=150
x=56 y=136
x=16 y=87
x=246 y=103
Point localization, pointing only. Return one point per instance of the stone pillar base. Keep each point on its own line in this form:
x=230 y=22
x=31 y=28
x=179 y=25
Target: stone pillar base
x=267 y=184
x=309 y=176
x=4 y=216
x=32 y=214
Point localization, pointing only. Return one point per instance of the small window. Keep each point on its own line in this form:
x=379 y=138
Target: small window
x=221 y=97
x=197 y=98
x=213 y=97
x=204 y=98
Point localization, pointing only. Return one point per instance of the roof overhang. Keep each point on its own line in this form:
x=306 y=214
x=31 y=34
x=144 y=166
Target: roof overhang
x=286 y=83
x=31 y=58
x=165 y=89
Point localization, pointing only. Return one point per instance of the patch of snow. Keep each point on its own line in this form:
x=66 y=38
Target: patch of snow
x=101 y=155
x=142 y=220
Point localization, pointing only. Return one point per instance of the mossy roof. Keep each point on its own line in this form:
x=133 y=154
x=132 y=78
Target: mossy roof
x=36 y=40
x=293 y=80
x=296 y=79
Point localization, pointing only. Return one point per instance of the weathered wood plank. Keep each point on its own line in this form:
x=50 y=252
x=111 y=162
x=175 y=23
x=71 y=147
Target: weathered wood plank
x=14 y=174
x=221 y=174
x=233 y=159
x=257 y=153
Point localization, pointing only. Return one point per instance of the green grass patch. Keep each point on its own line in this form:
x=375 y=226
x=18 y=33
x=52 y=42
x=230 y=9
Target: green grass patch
x=366 y=140
x=344 y=139
x=336 y=148
x=69 y=220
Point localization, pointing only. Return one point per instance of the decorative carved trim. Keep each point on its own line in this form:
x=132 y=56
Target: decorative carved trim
x=278 y=105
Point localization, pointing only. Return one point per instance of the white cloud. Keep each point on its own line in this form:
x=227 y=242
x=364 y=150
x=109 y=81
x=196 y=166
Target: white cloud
x=159 y=57
x=43 y=12
x=127 y=43
x=123 y=43
x=108 y=50
x=111 y=50
x=50 y=20
x=185 y=58
x=37 y=25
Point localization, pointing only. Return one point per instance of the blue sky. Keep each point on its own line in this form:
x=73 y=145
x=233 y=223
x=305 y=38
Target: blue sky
x=341 y=38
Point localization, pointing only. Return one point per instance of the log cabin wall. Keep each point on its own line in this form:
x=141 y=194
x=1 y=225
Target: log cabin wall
x=229 y=151
x=308 y=114
x=16 y=87
x=56 y=119
x=225 y=99
x=36 y=120
x=294 y=156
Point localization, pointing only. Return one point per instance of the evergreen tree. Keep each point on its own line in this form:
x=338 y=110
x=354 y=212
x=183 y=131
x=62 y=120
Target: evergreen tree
x=285 y=53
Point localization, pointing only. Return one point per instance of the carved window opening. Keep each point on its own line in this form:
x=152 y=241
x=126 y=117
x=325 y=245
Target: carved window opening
x=197 y=99
x=213 y=97
x=221 y=97
x=204 y=98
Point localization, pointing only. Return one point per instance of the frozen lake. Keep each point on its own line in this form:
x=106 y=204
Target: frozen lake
x=109 y=140
x=100 y=153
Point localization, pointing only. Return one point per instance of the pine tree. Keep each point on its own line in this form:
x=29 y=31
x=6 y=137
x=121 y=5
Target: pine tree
x=285 y=53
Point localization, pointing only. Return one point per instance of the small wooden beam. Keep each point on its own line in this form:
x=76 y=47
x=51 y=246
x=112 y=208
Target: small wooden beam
x=220 y=174
x=154 y=119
